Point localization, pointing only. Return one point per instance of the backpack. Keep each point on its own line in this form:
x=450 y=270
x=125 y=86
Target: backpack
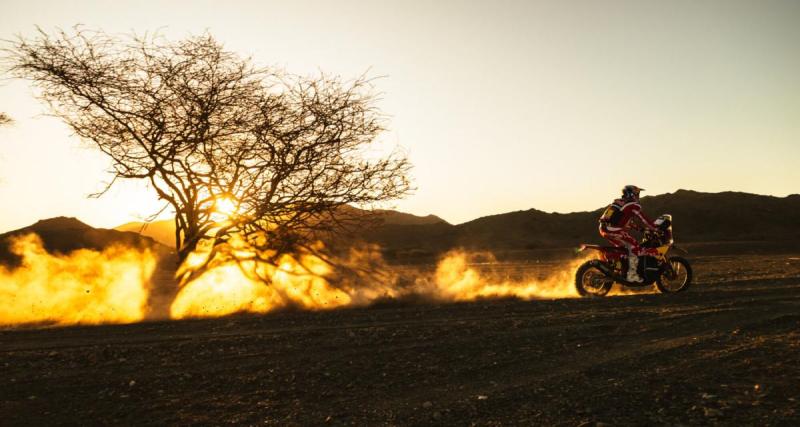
x=613 y=213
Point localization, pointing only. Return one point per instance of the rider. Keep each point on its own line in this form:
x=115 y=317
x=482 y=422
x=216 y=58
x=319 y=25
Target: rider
x=616 y=221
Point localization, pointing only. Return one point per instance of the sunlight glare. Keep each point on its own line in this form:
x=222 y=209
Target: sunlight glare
x=225 y=208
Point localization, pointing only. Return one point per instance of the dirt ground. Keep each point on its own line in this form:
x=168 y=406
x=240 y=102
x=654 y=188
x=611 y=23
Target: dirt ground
x=725 y=352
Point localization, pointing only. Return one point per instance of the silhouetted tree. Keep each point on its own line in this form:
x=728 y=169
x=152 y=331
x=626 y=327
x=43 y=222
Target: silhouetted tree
x=207 y=128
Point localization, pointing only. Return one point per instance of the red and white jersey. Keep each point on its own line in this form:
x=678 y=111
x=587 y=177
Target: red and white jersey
x=619 y=214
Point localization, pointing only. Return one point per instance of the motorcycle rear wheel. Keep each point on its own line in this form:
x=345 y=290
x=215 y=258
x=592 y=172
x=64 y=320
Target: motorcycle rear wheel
x=677 y=282
x=591 y=282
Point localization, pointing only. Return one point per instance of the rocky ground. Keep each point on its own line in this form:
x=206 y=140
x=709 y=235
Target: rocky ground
x=725 y=352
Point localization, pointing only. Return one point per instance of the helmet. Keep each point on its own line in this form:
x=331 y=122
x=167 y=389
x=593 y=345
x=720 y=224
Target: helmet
x=630 y=193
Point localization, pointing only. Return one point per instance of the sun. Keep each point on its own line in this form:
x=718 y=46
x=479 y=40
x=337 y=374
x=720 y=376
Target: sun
x=225 y=207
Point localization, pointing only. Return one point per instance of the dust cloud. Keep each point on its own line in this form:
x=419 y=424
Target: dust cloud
x=113 y=285
x=83 y=287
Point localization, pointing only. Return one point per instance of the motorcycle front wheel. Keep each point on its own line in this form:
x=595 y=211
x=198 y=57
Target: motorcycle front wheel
x=591 y=282
x=677 y=280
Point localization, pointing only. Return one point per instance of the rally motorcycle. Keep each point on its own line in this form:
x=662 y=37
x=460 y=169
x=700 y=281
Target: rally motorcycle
x=669 y=273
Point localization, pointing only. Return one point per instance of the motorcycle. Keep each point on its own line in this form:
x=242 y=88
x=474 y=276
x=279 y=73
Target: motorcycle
x=669 y=273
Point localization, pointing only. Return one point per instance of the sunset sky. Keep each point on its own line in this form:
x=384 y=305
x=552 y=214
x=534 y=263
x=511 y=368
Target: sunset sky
x=500 y=105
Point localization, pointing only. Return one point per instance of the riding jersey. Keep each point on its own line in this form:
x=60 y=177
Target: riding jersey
x=618 y=215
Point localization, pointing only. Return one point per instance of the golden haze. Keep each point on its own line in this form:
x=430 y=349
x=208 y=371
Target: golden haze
x=113 y=285
x=83 y=287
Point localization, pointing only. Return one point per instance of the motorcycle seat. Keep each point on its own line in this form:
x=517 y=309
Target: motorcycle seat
x=605 y=248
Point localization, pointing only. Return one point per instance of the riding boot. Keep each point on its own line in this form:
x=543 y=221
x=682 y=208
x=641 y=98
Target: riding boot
x=633 y=264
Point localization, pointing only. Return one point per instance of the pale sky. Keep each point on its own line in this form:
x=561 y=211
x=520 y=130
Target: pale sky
x=501 y=105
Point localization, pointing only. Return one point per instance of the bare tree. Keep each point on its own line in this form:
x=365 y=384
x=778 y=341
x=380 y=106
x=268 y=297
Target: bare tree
x=232 y=148
x=4 y=119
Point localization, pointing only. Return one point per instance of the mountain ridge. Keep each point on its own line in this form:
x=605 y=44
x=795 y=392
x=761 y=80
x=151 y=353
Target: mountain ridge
x=61 y=235
x=163 y=231
x=699 y=217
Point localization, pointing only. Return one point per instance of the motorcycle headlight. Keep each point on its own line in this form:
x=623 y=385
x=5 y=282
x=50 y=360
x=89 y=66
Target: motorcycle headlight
x=664 y=221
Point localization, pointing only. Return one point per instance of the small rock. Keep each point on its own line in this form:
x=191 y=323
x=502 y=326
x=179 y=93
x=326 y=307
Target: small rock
x=437 y=415
x=132 y=383
x=482 y=397
x=427 y=404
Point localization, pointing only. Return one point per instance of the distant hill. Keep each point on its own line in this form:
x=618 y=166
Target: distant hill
x=64 y=235
x=164 y=231
x=160 y=231
x=711 y=220
x=698 y=217
x=390 y=217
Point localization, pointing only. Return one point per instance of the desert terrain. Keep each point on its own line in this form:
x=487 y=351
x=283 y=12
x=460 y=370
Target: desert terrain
x=724 y=352
x=373 y=214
